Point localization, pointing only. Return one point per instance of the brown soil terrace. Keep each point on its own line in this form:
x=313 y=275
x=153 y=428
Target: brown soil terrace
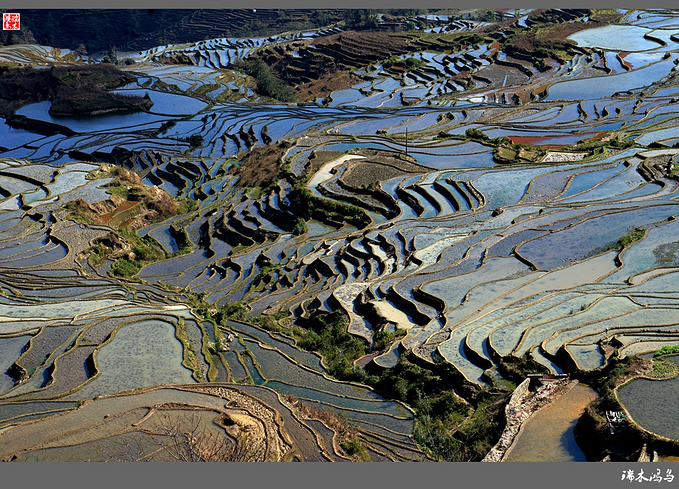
x=260 y=165
x=324 y=86
x=534 y=140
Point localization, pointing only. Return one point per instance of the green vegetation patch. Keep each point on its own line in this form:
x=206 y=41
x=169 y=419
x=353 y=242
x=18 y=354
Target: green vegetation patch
x=406 y=64
x=190 y=360
x=268 y=84
x=144 y=250
x=663 y=368
x=131 y=206
x=667 y=350
x=206 y=88
x=306 y=205
x=326 y=333
x=181 y=237
x=598 y=145
x=355 y=448
x=504 y=151
x=615 y=373
x=446 y=426
x=383 y=339
x=516 y=368
x=633 y=235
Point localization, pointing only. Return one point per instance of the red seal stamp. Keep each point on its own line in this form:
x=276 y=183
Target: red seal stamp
x=10 y=22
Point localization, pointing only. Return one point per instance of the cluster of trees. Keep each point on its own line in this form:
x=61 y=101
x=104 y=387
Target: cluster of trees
x=268 y=84
x=326 y=333
x=447 y=427
x=195 y=140
x=361 y=19
x=476 y=135
x=307 y=206
x=144 y=250
x=411 y=26
x=409 y=63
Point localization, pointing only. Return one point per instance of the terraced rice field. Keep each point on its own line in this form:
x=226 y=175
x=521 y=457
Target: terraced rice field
x=479 y=263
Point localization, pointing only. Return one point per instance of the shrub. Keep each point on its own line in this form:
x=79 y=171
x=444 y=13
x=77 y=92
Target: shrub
x=124 y=268
x=475 y=134
x=326 y=333
x=300 y=227
x=383 y=339
x=268 y=84
x=664 y=368
x=354 y=448
x=195 y=140
x=633 y=234
x=405 y=63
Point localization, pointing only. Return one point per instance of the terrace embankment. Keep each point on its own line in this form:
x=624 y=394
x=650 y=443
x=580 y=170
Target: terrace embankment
x=332 y=54
x=206 y=422
x=374 y=168
x=522 y=405
x=325 y=64
x=325 y=85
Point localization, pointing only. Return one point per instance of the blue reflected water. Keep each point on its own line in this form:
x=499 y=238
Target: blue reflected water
x=605 y=86
x=168 y=103
x=40 y=111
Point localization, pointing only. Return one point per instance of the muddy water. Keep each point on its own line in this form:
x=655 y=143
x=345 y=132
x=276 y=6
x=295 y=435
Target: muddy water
x=548 y=435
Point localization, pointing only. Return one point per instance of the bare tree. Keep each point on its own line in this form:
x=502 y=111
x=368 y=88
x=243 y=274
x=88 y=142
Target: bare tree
x=188 y=443
x=183 y=440
x=129 y=450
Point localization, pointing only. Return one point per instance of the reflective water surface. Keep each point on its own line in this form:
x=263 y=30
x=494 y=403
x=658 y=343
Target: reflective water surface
x=548 y=436
x=653 y=404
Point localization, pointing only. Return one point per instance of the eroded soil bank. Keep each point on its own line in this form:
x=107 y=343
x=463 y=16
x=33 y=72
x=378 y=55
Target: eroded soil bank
x=548 y=435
